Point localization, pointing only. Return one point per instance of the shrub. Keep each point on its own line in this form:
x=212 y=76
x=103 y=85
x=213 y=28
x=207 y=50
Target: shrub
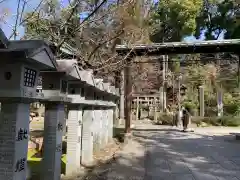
x=232 y=108
x=217 y=121
x=206 y=121
x=151 y=117
x=210 y=111
x=164 y=119
x=229 y=121
x=192 y=106
x=227 y=98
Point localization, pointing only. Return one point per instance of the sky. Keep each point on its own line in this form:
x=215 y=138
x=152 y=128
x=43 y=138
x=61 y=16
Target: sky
x=11 y=5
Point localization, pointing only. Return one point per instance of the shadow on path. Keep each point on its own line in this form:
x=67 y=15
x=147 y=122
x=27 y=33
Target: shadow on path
x=169 y=154
x=176 y=155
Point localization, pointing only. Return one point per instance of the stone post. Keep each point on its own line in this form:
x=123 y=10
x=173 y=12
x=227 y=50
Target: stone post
x=137 y=111
x=163 y=83
x=161 y=98
x=116 y=116
x=110 y=124
x=74 y=140
x=201 y=100
x=155 y=109
x=97 y=129
x=14 y=131
x=101 y=129
x=220 y=103
x=55 y=86
x=105 y=127
x=87 y=137
x=53 y=132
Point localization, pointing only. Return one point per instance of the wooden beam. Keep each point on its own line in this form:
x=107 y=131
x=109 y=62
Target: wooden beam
x=128 y=99
x=215 y=46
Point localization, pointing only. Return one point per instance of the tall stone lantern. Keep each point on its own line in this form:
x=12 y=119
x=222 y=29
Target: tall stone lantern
x=55 y=91
x=21 y=62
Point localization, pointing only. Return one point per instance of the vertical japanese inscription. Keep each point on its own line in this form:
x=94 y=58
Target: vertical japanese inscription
x=20 y=165
x=59 y=148
x=22 y=134
x=59 y=127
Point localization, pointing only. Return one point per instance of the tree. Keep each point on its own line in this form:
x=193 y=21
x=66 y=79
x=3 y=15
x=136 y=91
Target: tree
x=94 y=38
x=218 y=17
x=172 y=20
x=64 y=27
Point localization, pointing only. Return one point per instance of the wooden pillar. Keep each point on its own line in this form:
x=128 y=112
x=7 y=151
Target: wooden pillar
x=117 y=108
x=128 y=99
x=122 y=96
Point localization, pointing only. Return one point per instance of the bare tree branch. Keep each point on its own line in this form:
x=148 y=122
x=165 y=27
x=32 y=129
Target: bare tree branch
x=24 y=20
x=23 y=10
x=2 y=1
x=108 y=40
x=90 y=15
x=16 y=22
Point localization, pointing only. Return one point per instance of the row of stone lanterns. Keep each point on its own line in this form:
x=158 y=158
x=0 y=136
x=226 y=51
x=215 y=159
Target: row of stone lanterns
x=90 y=104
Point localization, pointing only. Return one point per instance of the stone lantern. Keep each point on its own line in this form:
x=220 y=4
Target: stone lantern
x=76 y=92
x=55 y=90
x=20 y=64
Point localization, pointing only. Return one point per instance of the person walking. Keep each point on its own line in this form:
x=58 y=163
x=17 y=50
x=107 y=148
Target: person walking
x=178 y=116
x=186 y=120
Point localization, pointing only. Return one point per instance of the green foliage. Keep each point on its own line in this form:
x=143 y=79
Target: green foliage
x=172 y=20
x=228 y=98
x=233 y=108
x=217 y=16
x=176 y=64
x=195 y=76
x=229 y=121
x=190 y=105
x=208 y=76
x=231 y=104
x=34 y=163
x=217 y=121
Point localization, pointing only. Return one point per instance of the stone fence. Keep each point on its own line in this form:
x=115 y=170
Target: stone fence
x=30 y=73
